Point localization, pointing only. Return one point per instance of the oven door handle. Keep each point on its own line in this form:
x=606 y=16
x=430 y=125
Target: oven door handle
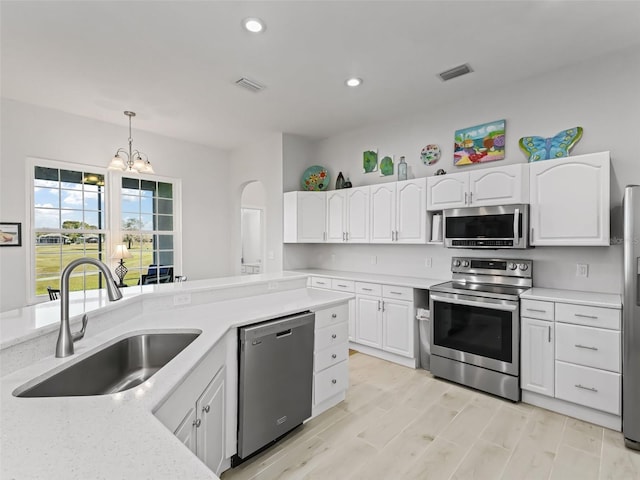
x=516 y=226
x=492 y=304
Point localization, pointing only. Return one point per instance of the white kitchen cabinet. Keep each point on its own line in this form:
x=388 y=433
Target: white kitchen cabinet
x=369 y=321
x=503 y=185
x=304 y=217
x=537 y=356
x=186 y=430
x=397 y=327
x=570 y=200
x=348 y=215
x=210 y=432
x=398 y=212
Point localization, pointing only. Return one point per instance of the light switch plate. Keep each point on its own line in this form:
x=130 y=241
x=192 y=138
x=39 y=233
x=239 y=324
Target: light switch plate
x=582 y=270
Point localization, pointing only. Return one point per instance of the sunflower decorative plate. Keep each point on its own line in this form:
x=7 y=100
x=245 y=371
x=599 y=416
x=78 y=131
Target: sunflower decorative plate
x=315 y=178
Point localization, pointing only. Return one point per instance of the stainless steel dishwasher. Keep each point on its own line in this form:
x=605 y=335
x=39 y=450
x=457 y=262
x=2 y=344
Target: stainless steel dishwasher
x=276 y=380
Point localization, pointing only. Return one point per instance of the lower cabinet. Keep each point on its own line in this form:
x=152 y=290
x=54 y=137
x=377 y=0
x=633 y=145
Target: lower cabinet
x=537 y=356
x=369 y=321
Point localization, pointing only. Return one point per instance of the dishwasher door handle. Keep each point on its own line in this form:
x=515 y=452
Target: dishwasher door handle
x=284 y=333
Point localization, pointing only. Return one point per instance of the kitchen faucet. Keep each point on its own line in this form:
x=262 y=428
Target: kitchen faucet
x=64 y=345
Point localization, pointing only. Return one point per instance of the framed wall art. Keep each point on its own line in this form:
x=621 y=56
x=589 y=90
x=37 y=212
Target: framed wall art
x=479 y=144
x=10 y=234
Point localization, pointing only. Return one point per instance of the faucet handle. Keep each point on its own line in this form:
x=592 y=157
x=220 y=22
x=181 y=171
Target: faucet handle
x=78 y=335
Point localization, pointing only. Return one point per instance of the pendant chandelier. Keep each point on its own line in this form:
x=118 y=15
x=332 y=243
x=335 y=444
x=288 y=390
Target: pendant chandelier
x=132 y=160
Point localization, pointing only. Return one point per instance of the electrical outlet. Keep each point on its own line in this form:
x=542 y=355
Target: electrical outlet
x=428 y=262
x=272 y=286
x=333 y=258
x=374 y=259
x=271 y=255
x=182 y=299
x=582 y=270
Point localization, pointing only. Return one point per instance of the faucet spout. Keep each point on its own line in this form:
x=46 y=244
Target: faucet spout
x=64 y=345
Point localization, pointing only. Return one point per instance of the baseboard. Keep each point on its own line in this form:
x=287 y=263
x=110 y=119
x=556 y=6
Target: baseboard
x=391 y=357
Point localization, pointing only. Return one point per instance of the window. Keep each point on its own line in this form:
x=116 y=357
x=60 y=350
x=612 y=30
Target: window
x=148 y=225
x=68 y=223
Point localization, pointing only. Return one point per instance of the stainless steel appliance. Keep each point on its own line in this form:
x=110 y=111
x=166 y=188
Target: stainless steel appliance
x=504 y=226
x=275 y=380
x=631 y=319
x=475 y=324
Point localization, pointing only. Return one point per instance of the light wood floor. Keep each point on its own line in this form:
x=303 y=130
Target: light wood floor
x=399 y=423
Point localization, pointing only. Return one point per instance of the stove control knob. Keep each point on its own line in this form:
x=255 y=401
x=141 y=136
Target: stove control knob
x=524 y=267
x=456 y=262
x=512 y=266
x=465 y=263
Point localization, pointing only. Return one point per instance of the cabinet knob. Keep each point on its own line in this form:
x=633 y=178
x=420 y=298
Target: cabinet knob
x=206 y=408
x=334 y=315
x=197 y=423
x=334 y=381
x=334 y=336
x=334 y=356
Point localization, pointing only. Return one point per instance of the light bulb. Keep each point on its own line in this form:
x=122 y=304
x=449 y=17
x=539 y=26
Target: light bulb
x=253 y=25
x=353 y=82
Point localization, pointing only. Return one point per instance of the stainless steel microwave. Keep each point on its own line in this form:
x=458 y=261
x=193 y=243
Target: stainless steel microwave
x=504 y=226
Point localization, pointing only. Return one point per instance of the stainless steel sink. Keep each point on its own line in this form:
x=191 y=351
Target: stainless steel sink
x=115 y=368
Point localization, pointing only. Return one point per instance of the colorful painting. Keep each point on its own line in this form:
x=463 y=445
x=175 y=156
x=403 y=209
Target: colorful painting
x=315 y=178
x=538 y=148
x=386 y=166
x=370 y=161
x=430 y=154
x=479 y=144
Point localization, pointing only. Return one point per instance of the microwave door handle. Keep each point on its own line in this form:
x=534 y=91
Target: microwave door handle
x=484 y=304
x=516 y=226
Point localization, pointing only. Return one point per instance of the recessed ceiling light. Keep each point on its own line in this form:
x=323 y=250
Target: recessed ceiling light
x=253 y=25
x=353 y=82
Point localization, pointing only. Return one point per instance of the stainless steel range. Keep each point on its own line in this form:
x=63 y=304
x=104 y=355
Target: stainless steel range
x=475 y=324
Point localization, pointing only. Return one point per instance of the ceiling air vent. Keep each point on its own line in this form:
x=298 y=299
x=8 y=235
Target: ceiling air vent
x=249 y=84
x=455 y=72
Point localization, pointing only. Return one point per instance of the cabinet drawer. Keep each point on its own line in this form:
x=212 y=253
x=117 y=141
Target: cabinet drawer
x=330 y=382
x=368 y=288
x=588 y=346
x=400 y=293
x=320 y=282
x=331 y=335
x=588 y=386
x=536 y=309
x=343 y=285
x=331 y=315
x=330 y=356
x=586 y=315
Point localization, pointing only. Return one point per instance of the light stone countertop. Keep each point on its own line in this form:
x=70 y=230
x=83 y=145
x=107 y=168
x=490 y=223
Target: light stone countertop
x=402 y=281
x=594 y=299
x=116 y=436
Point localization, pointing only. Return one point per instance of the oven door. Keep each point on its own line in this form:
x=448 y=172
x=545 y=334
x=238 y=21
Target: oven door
x=480 y=331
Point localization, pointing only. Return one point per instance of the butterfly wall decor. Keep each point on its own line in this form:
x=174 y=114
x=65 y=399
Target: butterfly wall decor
x=538 y=148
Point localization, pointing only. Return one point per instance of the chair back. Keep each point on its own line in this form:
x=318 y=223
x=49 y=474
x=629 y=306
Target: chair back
x=181 y=278
x=54 y=293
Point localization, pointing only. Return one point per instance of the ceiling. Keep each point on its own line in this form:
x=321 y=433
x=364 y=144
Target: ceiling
x=175 y=62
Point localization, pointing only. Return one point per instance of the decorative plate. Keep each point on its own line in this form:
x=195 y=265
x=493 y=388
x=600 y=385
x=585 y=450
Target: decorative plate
x=430 y=154
x=315 y=178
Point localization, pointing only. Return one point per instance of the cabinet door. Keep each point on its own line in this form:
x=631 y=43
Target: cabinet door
x=398 y=327
x=369 y=321
x=210 y=408
x=383 y=213
x=311 y=217
x=336 y=212
x=570 y=201
x=352 y=320
x=447 y=191
x=499 y=186
x=186 y=431
x=411 y=211
x=537 y=356
x=358 y=215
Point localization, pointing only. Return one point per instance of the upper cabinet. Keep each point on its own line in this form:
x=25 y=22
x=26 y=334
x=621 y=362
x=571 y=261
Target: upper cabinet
x=304 y=217
x=570 y=200
x=348 y=215
x=490 y=186
x=398 y=212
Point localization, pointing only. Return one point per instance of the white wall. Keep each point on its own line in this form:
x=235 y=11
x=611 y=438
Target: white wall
x=297 y=155
x=259 y=161
x=30 y=131
x=600 y=95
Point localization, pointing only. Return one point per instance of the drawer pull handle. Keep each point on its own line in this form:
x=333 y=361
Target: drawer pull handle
x=367 y=289
x=580 y=315
x=343 y=286
x=334 y=336
x=539 y=310
x=591 y=389
x=334 y=381
x=549 y=334
x=334 y=356
x=321 y=283
x=206 y=408
x=595 y=349
x=334 y=315
x=197 y=423
x=396 y=293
